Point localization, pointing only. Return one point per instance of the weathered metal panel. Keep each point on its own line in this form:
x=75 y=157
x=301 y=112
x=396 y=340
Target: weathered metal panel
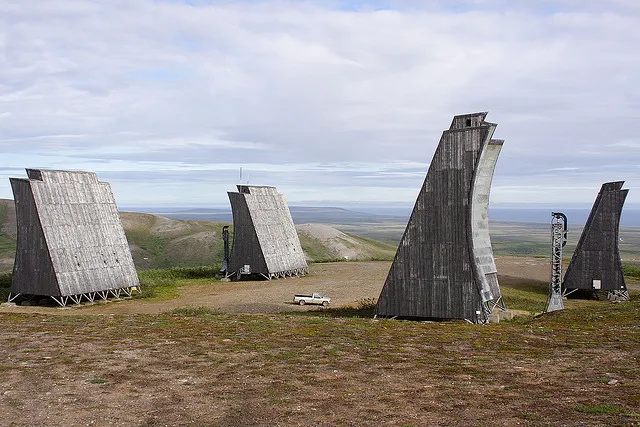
x=78 y=219
x=444 y=260
x=246 y=249
x=486 y=271
x=264 y=234
x=33 y=271
x=597 y=256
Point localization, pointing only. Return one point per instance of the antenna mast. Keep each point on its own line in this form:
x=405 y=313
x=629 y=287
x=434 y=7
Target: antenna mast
x=558 y=240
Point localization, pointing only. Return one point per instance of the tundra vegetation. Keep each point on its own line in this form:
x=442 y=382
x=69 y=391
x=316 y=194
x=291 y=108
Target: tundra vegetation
x=324 y=367
x=199 y=365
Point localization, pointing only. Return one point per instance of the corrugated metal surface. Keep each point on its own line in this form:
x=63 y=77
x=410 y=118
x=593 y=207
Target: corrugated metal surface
x=84 y=239
x=597 y=255
x=435 y=274
x=486 y=271
x=264 y=233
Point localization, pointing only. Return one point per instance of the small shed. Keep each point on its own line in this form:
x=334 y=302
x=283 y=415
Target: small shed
x=70 y=241
x=595 y=264
x=444 y=267
x=265 y=241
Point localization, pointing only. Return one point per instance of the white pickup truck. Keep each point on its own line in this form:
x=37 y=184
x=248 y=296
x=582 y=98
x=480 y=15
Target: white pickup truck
x=311 y=299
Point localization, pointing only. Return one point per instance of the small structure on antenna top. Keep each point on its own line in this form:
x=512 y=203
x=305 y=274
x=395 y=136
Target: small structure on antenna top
x=265 y=241
x=559 y=231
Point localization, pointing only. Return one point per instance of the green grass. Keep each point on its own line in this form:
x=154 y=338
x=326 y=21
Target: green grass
x=152 y=245
x=164 y=283
x=364 y=308
x=631 y=270
x=194 y=311
x=7 y=244
x=599 y=409
x=530 y=416
x=519 y=248
x=316 y=249
x=3 y=211
x=5 y=286
x=531 y=297
x=379 y=250
x=159 y=284
x=179 y=243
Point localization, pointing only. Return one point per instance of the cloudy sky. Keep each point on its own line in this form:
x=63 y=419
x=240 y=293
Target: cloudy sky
x=334 y=102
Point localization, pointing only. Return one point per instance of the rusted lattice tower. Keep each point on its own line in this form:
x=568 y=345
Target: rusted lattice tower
x=71 y=244
x=444 y=267
x=265 y=241
x=558 y=241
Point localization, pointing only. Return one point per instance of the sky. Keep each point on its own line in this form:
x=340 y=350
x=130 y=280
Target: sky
x=333 y=102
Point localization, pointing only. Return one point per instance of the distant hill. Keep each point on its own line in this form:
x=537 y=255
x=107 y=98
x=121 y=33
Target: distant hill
x=191 y=239
x=323 y=242
x=300 y=215
x=160 y=242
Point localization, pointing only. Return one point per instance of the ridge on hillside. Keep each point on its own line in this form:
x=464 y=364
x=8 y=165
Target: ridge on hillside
x=323 y=242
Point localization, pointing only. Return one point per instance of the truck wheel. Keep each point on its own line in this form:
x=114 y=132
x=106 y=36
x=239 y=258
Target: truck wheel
x=301 y=302
x=325 y=303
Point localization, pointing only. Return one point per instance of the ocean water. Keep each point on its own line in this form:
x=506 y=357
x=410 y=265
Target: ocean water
x=629 y=218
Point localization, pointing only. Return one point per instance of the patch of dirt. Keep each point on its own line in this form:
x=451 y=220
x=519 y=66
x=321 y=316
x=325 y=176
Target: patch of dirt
x=522 y=267
x=345 y=282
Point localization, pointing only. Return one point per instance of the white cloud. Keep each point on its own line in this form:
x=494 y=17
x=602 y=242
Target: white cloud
x=143 y=85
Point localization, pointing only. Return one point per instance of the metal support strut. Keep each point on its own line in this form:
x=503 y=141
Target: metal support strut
x=558 y=240
x=225 y=240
